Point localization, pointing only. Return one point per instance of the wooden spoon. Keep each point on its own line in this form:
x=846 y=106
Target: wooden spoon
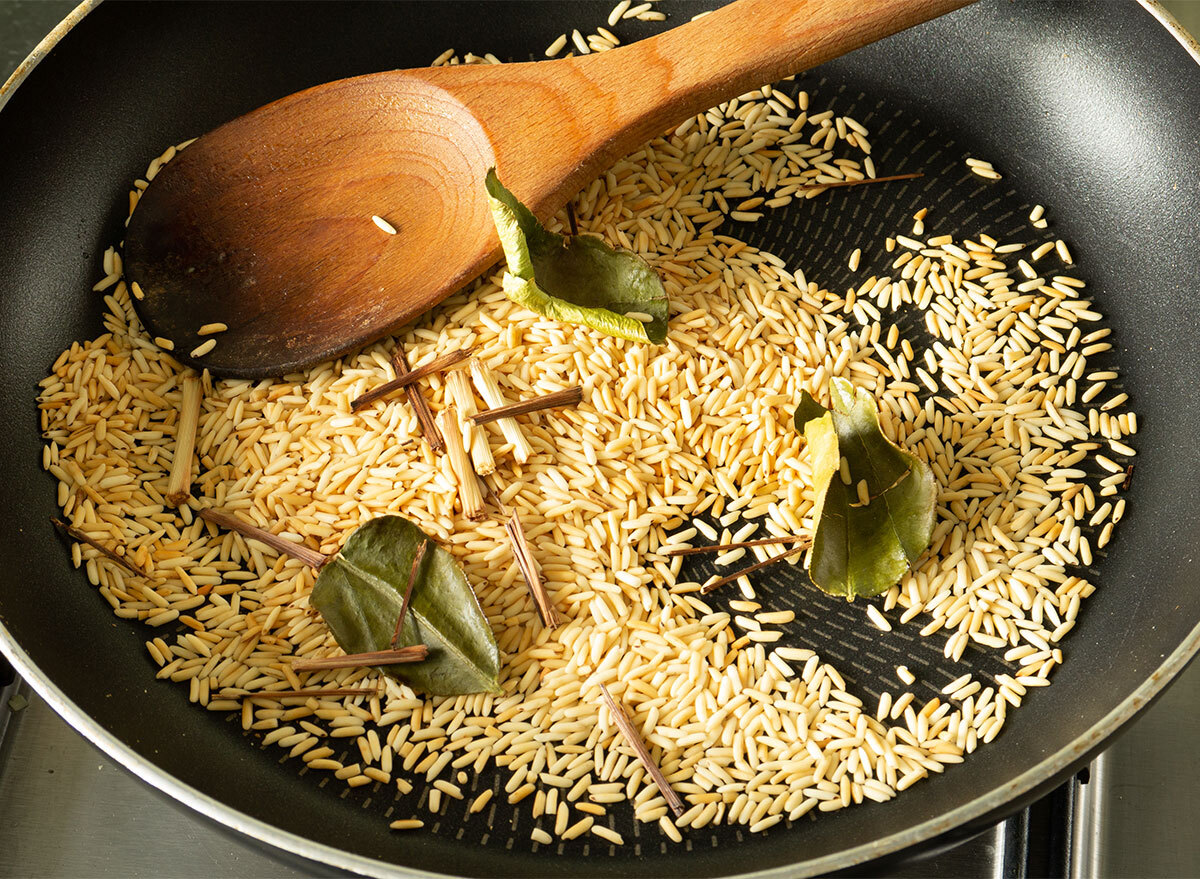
x=265 y=224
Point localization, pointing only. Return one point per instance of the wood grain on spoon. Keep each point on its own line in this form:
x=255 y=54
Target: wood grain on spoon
x=265 y=224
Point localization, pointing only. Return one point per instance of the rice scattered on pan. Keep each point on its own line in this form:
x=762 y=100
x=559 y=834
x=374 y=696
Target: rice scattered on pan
x=1027 y=441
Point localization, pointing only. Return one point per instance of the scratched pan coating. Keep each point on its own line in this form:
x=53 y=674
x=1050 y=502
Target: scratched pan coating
x=1091 y=110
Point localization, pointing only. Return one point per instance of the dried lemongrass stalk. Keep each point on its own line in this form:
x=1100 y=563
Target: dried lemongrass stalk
x=298 y=551
x=75 y=534
x=625 y=725
x=474 y=438
x=553 y=400
x=865 y=180
x=485 y=383
x=717 y=584
x=417 y=400
x=415 y=653
x=745 y=544
x=418 y=557
x=529 y=570
x=316 y=692
x=442 y=363
x=468 y=484
x=179 y=484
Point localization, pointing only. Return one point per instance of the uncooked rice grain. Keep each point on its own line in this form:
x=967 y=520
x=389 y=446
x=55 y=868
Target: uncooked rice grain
x=383 y=224
x=204 y=348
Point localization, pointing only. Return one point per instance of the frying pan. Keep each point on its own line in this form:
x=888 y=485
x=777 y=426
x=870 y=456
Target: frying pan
x=1088 y=108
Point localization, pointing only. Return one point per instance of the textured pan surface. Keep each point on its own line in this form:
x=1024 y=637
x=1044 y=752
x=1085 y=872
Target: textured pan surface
x=1089 y=109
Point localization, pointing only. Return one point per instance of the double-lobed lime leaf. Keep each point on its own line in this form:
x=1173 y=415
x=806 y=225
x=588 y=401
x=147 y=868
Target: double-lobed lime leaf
x=862 y=549
x=359 y=593
x=577 y=279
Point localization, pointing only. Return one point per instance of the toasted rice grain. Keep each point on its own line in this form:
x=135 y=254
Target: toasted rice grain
x=383 y=224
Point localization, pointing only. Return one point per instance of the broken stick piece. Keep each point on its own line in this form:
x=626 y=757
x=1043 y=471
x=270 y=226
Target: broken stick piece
x=468 y=483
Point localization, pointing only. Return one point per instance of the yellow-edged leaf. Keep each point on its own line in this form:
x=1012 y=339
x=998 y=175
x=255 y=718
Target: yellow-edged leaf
x=862 y=549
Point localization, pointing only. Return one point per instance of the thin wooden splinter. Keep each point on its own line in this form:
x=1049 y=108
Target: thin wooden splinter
x=745 y=544
x=635 y=741
x=417 y=401
x=292 y=694
x=412 y=579
x=75 y=534
x=403 y=381
x=179 y=483
x=415 y=653
x=838 y=183
x=520 y=548
x=553 y=400
x=717 y=584
x=310 y=557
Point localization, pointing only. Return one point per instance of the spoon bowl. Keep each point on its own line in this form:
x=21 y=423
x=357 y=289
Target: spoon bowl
x=282 y=246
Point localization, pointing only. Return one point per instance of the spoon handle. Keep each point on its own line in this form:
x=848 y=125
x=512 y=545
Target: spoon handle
x=596 y=108
x=751 y=42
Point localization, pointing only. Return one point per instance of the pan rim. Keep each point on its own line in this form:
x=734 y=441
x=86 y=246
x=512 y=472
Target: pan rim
x=1174 y=28
x=278 y=838
x=42 y=49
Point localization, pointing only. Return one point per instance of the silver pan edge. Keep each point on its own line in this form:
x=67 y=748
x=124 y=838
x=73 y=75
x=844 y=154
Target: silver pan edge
x=993 y=802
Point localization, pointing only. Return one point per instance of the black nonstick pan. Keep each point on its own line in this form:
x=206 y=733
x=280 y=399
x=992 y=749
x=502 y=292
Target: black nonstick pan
x=1090 y=108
